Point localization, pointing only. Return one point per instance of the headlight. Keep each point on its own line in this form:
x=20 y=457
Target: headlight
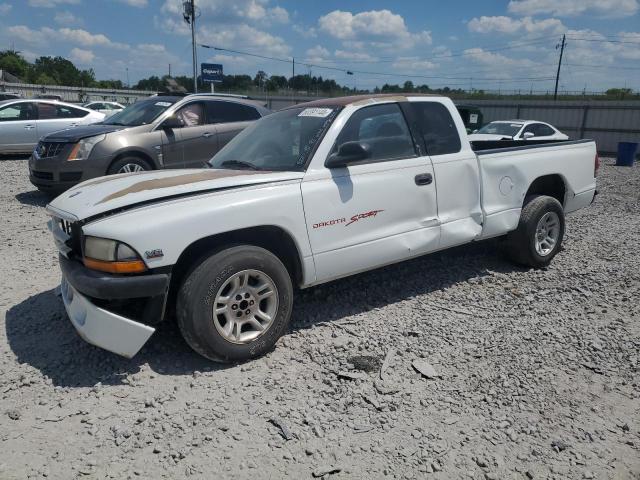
x=82 y=149
x=111 y=256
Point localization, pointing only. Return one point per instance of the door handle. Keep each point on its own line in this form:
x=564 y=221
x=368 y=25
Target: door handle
x=424 y=179
x=73 y=124
x=207 y=134
x=29 y=127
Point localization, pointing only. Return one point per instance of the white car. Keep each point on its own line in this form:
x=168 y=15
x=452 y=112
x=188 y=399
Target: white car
x=23 y=122
x=303 y=196
x=517 y=130
x=108 y=108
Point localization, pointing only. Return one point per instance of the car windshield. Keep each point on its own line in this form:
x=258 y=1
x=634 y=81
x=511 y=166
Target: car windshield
x=140 y=113
x=278 y=142
x=501 y=128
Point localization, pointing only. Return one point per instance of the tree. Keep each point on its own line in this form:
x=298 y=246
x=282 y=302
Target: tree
x=408 y=86
x=260 y=78
x=13 y=62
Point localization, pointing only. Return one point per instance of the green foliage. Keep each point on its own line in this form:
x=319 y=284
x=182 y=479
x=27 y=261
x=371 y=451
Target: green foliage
x=14 y=63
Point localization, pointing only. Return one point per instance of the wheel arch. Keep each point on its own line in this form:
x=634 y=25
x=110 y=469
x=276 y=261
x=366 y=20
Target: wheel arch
x=553 y=185
x=273 y=238
x=133 y=153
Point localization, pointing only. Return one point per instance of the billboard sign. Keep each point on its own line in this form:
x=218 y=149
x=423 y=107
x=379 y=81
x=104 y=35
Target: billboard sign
x=211 y=72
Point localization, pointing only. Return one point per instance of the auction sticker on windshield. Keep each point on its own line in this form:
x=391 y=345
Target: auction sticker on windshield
x=163 y=104
x=315 y=112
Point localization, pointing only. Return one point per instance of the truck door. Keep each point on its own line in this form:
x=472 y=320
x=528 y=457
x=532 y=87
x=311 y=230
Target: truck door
x=456 y=171
x=378 y=211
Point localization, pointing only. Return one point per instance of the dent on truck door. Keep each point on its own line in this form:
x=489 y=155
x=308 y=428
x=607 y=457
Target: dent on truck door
x=456 y=171
x=376 y=213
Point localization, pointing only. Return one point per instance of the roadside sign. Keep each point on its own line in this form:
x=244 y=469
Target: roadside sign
x=211 y=72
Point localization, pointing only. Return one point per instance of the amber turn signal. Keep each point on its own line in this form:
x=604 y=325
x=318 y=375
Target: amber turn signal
x=129 y=266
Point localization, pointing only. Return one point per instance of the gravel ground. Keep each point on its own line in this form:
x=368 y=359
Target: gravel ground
x=526 y=374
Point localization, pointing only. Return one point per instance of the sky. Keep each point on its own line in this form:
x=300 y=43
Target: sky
x=490 y=45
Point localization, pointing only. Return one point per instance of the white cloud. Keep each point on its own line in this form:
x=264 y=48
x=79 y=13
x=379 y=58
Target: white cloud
x=136 y=3
x=508 y=25
x=379 y=26
x=567 y=8
x=224 y=11
x=305 y=32
x=46 y=35
x=412 y=64
x=81 y=57
x=5 y=8
x=67 y=18
x=351 y=55
x=484 y=57
x=51 y=3
x=317 y=53
x=244 y=37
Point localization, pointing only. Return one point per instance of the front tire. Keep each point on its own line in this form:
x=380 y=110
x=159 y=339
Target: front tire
x=539 y=234
x=235 y=304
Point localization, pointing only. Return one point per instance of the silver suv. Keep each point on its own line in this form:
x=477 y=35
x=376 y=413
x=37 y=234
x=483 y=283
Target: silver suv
x=158 y=132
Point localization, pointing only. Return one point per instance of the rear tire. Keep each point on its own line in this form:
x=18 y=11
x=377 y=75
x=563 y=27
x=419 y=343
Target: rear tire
x=129 y=165
x=540 y=231
x=235 y=304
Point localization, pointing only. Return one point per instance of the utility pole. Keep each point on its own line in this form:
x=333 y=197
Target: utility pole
x=555 y=94
x=169 y=70
x=128 y=85
x=293 y=73
x=189 y=15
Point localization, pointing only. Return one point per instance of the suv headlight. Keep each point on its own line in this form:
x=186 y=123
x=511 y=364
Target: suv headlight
x=111 y=256
x=82 y=149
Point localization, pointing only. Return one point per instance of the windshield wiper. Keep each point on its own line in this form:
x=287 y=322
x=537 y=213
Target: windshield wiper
x=115 y=123
x=239 y=163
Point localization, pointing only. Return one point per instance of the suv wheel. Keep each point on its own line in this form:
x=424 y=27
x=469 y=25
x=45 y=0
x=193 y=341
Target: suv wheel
x=128 y=165
x=235 y=304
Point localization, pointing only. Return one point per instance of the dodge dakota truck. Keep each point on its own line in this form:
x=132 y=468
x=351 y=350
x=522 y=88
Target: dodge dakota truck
x=309 y=194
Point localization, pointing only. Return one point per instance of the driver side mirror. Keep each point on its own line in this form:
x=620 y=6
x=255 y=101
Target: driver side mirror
x=528 y=135
x=348 y=152
x=172 y=122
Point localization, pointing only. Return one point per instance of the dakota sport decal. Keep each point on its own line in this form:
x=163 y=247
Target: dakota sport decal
x=338 y=221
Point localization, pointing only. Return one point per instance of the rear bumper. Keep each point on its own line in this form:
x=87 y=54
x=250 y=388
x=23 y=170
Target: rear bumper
x=82 y=288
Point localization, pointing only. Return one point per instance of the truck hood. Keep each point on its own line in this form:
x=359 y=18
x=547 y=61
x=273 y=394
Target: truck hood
x=73 y=135
x=126 y=190
x=478 y=137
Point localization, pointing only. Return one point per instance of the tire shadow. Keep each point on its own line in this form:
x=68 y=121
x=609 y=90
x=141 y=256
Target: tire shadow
x=34 y=198
x=41 y=335
x=395 y=283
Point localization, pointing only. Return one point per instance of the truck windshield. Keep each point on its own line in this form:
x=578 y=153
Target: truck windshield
x=278 y=142
x=501 y=128
x=140 y=113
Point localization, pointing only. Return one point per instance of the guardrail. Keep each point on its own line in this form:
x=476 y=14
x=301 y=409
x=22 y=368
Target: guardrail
x=74 y=94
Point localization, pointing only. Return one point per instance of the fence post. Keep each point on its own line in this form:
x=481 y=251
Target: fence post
x=585 y=111
x=518 y=111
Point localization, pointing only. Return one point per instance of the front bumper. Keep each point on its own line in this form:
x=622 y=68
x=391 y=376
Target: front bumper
x=56 y=174
x=82 y=288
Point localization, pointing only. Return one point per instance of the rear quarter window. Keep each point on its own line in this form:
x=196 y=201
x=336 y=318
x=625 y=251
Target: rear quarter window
x=437 y=128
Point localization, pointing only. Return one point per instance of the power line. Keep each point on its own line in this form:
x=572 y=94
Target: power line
x=363 y=72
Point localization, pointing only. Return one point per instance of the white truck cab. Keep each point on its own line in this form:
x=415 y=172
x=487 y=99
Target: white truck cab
x=306 y=195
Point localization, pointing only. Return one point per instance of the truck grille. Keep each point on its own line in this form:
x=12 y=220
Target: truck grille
x=49 y=149
x=74 y=231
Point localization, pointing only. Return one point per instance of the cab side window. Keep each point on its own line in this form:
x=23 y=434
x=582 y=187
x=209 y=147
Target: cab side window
x=383 y=128
x=437 y=127
x=191 y=114
x=229 y=112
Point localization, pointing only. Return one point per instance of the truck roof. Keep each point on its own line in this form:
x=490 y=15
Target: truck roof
x=356 y=99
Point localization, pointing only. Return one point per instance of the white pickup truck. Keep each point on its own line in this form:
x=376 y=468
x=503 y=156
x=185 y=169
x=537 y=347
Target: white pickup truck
x=306 y=195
